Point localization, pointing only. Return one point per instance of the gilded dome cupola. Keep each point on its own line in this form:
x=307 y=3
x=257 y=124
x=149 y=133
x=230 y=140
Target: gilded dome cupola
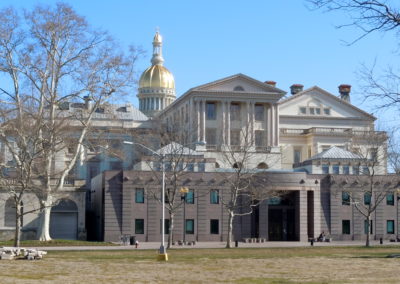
x=156 y=84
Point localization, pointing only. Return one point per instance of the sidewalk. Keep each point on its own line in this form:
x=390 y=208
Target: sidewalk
x=200 y=245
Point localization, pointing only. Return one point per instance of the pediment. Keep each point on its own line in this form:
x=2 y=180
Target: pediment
x=316 y=99
x=239 y=83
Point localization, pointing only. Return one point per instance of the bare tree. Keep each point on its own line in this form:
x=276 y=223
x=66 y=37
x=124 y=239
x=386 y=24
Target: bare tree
x=247 y=186
x=368 y=16
x=53 y=58
x=368 y=190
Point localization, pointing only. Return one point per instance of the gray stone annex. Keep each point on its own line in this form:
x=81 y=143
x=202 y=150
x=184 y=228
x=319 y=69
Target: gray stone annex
x=313 y=147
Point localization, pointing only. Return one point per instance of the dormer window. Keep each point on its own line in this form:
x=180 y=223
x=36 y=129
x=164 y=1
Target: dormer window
x=238 y=89
x=327 y=111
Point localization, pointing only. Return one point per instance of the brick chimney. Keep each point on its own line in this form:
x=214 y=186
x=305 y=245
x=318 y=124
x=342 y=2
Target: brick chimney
x=344 y=91
x=296 y=88
x=271 y=83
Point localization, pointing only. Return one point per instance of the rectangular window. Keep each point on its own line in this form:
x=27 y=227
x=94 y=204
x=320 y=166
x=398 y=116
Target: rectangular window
x=303 y=110
x=346 y=170
x=325 y=169
x=211 y=136
x=390 y=226
x=374 y=154
x=365 y=170
x=367 y=198
x=318 y=111
x=166 y=226
x=190 y=196
x=201 y=167
x=235 y=137
x=235 y=112
x=356 y=170
x=211 y=111
x=214 y=196
x=259 y=138
x=189 y=226
x=390 y=199
x=190 y=167
x=346 y=227
x=296 y=155
x=345 y=198
x=259 y=112
x=335 y=169
x=366 y=227
x=139 y=226
x=327 y=111
x=312 y=110
x=214 y=226
x=139 y=195
x=325 y=147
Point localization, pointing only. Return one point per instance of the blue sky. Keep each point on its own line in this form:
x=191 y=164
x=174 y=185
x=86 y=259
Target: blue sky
x=267 y=40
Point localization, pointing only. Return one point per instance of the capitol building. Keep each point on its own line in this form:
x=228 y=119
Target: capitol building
x=311 y=148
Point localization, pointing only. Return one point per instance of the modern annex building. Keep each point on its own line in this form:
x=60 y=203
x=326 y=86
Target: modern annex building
x=312 y=146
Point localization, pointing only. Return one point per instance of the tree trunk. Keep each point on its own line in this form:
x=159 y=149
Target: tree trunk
x=171 y=230
x=18 y=225
x=367 y=241
x=230 y=229
x=43 y=233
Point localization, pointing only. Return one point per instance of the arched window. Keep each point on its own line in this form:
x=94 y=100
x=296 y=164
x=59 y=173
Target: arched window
x=238 y=89
x=262 y=166
x=237 y=165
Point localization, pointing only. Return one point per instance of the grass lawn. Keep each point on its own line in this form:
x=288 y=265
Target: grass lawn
x=54 y=243
x=241 y=265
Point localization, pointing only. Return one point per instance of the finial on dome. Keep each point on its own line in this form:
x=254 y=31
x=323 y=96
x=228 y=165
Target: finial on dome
x=157 y=58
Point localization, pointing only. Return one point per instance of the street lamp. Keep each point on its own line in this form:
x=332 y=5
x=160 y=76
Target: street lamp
x=162 y=252
x=184 y=191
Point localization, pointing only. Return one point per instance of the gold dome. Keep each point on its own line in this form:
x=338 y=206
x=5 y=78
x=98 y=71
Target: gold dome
x=157 y=76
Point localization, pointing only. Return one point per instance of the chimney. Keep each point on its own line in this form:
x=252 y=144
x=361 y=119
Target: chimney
x=344 y=91
x=271 y=83
x=296 y=88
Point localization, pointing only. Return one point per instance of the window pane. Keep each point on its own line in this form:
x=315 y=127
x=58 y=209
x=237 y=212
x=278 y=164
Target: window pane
x=346 y=227
x=235 y=112
x=367 y=198
x=297 y=156
x=166 y=222
x=345 y=198
x=259 y=112
x=390 y=199
x=325 y=169
x=139 y=195
x=356 y=170
x=335 y=169
x=214 y=196
x=189 y=226
x=190 y=197
x=211 y=136
x=366 y=227
x=211 y=111
x=139 y=226
x=201 y=167
x=214 y=227
x=259 y=138
x=390 y=226
x=303 y=110
x=346 y=170
x=235 y=137
x=327 y=111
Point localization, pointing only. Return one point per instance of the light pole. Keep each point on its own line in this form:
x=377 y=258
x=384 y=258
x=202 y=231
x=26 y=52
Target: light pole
x=162 y=252
x=184 y=191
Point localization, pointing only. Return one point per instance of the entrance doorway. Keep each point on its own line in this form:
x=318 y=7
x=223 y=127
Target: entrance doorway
x=281 y=219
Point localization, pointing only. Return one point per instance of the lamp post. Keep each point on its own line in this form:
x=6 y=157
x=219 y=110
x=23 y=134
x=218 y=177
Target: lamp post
x=184 y=191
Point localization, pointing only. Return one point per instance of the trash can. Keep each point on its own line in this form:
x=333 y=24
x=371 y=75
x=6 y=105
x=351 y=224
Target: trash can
x=132 y=240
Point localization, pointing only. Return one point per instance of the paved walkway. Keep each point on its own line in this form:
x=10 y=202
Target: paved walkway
x=156 y=245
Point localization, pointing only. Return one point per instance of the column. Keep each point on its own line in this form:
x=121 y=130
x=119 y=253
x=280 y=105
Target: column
x=228 y=123
x=268 y=125
x=273 y=126
x=223 y=122
x=317 y=212
x=276 y=121
x=301 y=215
x=198 y=126
x=252 y=118
x=203 y=121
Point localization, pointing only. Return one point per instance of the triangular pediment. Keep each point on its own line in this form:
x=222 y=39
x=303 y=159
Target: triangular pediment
x=315 y=100
x=239 y=83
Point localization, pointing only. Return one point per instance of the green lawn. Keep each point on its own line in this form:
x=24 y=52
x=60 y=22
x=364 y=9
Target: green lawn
x=241 y=265
x=55 y=243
